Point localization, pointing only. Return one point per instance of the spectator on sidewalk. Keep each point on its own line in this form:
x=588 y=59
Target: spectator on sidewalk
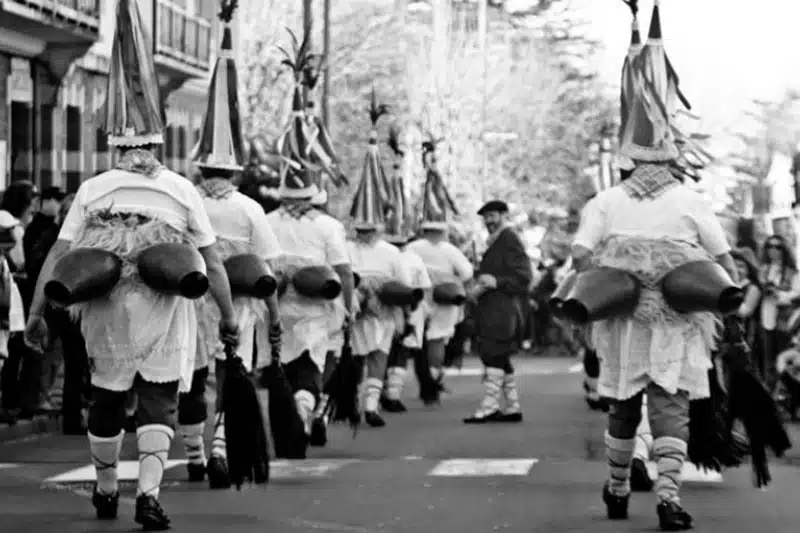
x=21 y=375
x=41 y=233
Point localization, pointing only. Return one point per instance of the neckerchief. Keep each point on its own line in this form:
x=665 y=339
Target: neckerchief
x=648 y=182
x=140 y=161
x=298 y=210
x=216 y=188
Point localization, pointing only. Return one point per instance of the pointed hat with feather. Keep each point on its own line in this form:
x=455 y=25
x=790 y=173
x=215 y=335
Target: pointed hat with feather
x=132 y=114
x=221 y=144
x=651 y=99
x=398 y=218
x=437 y=204
x=371 y=201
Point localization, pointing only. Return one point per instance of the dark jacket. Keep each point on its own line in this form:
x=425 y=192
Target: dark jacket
x=500 y=314
x=40 y=236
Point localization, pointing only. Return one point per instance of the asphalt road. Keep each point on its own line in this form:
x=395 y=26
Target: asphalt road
x=425 y=472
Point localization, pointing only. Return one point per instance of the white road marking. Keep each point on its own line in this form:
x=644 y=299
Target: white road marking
x=129 y=470
x=307 y=468
x=483 y=467
x=690 y=474
x=126 y=471
x=574 y=369
x=4 y=466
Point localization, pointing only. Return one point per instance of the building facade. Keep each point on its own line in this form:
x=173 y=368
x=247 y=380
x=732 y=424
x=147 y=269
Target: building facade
x=54 y=59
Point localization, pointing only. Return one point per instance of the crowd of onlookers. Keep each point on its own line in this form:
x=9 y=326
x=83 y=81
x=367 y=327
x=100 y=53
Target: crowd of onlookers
x=29 y=224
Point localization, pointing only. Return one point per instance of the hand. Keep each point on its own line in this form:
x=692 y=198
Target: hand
x=229 y=333
x=488 y=281
x=37 y=334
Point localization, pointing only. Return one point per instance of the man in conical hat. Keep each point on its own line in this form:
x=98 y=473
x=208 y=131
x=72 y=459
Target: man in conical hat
x=137 y=338
x=308 y=237
x=409 y=337
x=376 y=262
x=241 y=227
x=649 y=225
x=504 y=280
x=445 y=264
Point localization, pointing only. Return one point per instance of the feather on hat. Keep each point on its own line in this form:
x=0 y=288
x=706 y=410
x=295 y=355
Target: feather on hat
x=437 y=204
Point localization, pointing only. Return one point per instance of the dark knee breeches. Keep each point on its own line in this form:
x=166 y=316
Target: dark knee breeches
x=668 y=414
x=192 y=405
x=303 y=374
x=157 y=404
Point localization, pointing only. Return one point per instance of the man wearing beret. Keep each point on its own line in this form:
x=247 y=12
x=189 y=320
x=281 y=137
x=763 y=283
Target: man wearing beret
x=504 y=278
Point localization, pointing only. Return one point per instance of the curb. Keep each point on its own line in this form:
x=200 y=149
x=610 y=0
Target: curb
x=39 y=426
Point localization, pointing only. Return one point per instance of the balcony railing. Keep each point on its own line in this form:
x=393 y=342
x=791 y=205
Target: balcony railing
x=182 y=36
x=80 y=12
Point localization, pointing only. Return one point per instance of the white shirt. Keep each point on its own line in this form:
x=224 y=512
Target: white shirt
x=416 y=270
x=442 y=258
x=678 y=214
x=241 y=219
x=378 y=259
x=168 y=197
x=316 y=237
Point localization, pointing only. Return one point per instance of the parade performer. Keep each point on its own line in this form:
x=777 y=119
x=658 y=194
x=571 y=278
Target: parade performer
x=649 y=225
x=241 y=227
x=504 y=277
x=136 y=338
x=376 y=262
x=446 y=266
x=408 y=341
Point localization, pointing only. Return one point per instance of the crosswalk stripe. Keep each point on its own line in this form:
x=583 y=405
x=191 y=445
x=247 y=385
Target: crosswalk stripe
x=483 y=467
x=690 y=474
x=320 y=468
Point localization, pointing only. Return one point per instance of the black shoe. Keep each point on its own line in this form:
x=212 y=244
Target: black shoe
x=392 y=406
x=616 y=506
x=373 y=419
x=319 y=432
x=106 y=505
x=218 y=475
x=515 y=416
x=197 y=472
x=150 y=515
x=494 y=416
x=640 y=477
x=672 y=517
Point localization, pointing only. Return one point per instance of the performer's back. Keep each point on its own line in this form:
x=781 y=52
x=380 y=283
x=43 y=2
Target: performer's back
x=314 y=236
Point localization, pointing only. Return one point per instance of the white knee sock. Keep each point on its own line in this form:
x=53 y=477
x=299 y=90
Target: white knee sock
x=372 y=394
x=154 y=442
x=219 y=447
x=305 y=403
x=492 y=390
x=395 y=379
x=669 y=454
x=511 y=394
x=644 y=440
x=105 y=457
x=619 y=453
x=193 y=443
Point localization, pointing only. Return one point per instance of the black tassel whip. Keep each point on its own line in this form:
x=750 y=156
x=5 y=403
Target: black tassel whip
x=342 y=388
x=246 y=438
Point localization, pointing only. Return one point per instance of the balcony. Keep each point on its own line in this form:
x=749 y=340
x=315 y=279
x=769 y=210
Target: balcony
x=81 y=18
x=182 y=40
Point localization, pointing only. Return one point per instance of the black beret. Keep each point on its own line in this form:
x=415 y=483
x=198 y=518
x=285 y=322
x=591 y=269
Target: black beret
x=493 y=206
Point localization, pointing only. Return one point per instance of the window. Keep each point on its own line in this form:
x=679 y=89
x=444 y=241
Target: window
x=21 y=148
x=73 y=164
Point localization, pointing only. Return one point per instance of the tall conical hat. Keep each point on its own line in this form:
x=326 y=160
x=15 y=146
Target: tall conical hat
x=626 y=85
x=437 y=204
x=371 y=200
x=221 y=143
x=132 y=114
x=315 y=145
x=646 y=134
x=397 y=224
